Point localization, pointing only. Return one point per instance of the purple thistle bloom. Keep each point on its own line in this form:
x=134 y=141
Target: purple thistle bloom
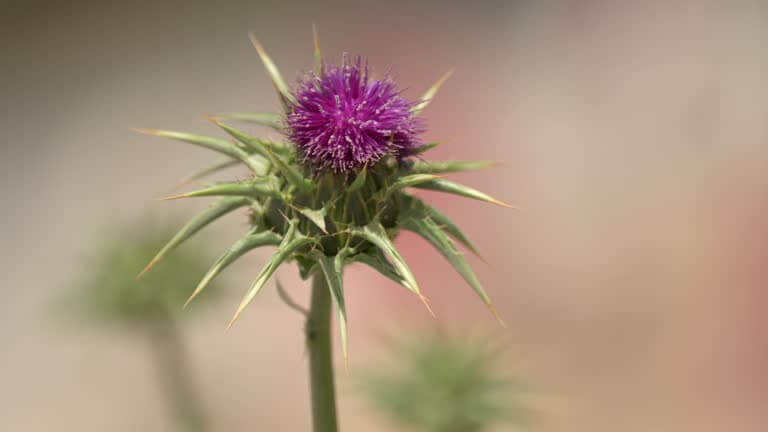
x=343 y=119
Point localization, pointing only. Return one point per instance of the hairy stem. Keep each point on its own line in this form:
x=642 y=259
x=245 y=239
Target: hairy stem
x=318 y=338
x=174 y=374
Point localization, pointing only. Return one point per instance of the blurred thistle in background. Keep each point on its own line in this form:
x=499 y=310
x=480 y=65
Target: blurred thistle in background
x=109 y=294
x=441 y=383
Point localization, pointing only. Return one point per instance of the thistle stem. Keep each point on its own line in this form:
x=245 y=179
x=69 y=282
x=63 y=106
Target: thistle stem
x=318 y=336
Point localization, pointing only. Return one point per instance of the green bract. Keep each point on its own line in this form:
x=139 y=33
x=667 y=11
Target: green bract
x=325 y=220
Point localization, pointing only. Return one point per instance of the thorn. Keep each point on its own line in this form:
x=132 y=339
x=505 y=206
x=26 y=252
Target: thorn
x=211 y=118
x=148 y=267
x=155 y=132
x=482 y=258
x=425 y=300
x=239 y=311
x=496 y=315
x=197 y=292
x=503 y=204
x=175 y=197
x=315 y=37
x=234 y=318
x=256 y=43
x=444 y=78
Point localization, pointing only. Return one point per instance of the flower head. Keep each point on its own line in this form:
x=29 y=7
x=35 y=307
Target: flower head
x=343 y=119
x=338 y=121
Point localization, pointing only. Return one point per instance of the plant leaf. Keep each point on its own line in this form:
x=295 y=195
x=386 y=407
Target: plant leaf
x=424 y=210
x=318 y=54
x=424 y=148
x=212 y=143
x=269 y=151
x=293 y=175
x=224 y=164
x=265 y=187
x=274 y=73
x=359 y=180
x=430 y=231
x=375 y=233
x=430 y=93
x=250 y=241
x=252 y=144
x=216 y=211
x=332 y=268
x=306 y=266
x=316 y=216
x=446 y=186
x=408 y=180
x=379 y=262
x=267 y=119
x=439 y=167
x=291 y=242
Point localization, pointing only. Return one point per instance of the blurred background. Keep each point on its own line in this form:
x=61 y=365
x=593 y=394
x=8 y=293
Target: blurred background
x=632 y=135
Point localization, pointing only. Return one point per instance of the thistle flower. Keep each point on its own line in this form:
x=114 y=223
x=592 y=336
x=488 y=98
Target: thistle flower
x=343 y=120
x=336 y=192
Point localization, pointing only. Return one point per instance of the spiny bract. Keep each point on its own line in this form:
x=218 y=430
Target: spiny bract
x=326 y=207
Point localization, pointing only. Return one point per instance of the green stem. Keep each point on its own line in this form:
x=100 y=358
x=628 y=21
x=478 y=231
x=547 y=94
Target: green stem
x=318 y=335
x=174 y=374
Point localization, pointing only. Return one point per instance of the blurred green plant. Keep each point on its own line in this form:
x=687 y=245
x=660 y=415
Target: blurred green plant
x=444 y=384
x=109 y=294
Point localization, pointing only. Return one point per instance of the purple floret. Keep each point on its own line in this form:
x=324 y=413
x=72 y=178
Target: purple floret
x=344 y=120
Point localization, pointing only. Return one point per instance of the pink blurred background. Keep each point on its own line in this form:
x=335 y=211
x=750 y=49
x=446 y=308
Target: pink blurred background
x=632 y=135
